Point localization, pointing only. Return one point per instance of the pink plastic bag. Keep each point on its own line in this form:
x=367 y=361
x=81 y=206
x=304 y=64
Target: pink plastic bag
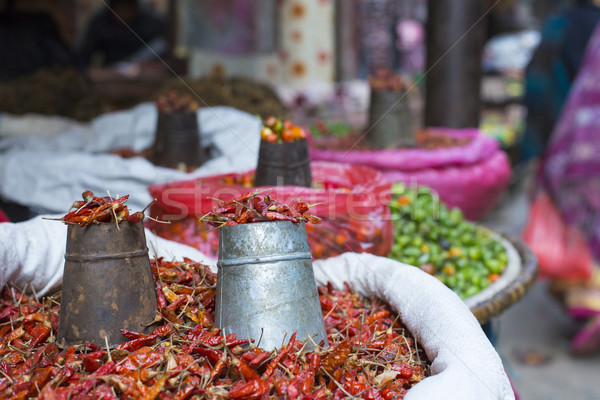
x=353 y=205
x=471 y=177
x=478 y=148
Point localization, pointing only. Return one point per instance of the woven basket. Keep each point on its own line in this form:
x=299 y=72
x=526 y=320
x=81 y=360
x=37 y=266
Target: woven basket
x=518 y=278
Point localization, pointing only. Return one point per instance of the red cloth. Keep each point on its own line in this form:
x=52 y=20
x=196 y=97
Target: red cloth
x=3 y=217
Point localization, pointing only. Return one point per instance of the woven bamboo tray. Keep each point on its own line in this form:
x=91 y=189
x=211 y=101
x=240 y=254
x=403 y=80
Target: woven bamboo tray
x=520 y=274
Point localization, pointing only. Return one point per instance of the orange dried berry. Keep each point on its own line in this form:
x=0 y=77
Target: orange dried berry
x=449 y=269
x=302 y=134
x=403 y=200
x=296 y=132
x=270 y=122
x=271 y=138
x=287 y=135
x=265 y=132
x=455 y=252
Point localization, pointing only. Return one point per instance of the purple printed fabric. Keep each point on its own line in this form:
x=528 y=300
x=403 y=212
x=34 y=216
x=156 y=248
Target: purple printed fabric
x=479 y=148
x=571 y=165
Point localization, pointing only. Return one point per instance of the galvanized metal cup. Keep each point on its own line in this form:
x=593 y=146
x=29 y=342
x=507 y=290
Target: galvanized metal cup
x=107 y=284
x=266 y=286
x=390 y=122
x=177 y=140
x=285 y=163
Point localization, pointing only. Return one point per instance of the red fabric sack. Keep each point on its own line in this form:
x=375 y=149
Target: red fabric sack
x=3 y=217
x=352 y=202
x=562 y=250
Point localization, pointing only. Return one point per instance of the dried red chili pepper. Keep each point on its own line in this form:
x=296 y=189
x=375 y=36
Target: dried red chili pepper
x=137 y=216
x=376 y=316
x=132 y=335
x=137 y=344
x=337 y=356
x=176 y=101
x=219 y=367
x=259 y=359
x=181 y=300
x=194 y=358
x=251 y=390
x=170 y=316
x=8 y=312
x=39 y=335
x=95 y=210
x=92 y=361
x=161 y=301
x=17 y=333
x=247 y=372
x=162 y=331
x=250 y=208
x=280 y=355
x=155 y=389
x=211 y=354
x=279 y=381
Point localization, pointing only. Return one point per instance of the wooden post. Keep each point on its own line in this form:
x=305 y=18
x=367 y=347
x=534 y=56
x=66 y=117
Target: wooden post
x=172 y=21
x=346 y=43
x=455 y=39
x=178 y=60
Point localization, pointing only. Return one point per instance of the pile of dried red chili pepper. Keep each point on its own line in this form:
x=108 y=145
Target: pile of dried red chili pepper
x=176 y=101
x=95 y=210
x=251 y=207
x=430 y=140
x=370 y=356
x=385 y=79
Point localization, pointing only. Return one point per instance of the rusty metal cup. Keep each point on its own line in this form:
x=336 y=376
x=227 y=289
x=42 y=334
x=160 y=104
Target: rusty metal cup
x=266 y=286
x=285 y=163
x=107 y=284
x=390 y=122
x=177 y=140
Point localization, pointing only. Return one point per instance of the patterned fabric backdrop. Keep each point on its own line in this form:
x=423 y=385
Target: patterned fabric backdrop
x=229 y=27
x=307 y=41
x=288 y=42
x=230 y=38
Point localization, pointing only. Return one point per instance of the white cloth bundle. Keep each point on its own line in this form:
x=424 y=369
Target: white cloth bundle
x=465 y=364
x=48 y=172
x=32 y=253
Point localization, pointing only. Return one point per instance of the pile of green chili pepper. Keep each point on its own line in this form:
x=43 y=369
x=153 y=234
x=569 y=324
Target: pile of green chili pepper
x=427 y=234
x=371 y=355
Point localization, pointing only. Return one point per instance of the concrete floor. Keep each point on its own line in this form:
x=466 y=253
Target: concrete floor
x=533 y=339
x=533 y=335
